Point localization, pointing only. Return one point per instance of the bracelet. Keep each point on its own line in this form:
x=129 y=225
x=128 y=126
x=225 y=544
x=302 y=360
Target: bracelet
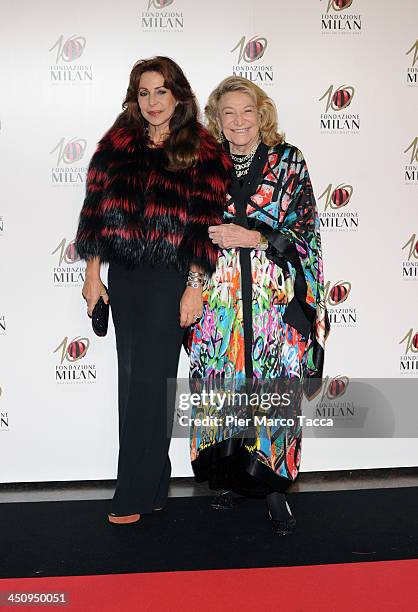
x=194 y=284
x=192 y=274
x=195 y=279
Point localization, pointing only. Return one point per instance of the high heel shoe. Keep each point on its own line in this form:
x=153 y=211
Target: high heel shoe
x=123 y=519
x=282 y=520
x=222 y=501
x=283 y=527
x=225 y=500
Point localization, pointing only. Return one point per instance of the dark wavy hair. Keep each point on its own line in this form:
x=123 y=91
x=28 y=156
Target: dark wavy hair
x=182 y=146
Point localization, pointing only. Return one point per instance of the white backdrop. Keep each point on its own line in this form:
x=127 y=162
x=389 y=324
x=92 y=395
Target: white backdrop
x=64 y=74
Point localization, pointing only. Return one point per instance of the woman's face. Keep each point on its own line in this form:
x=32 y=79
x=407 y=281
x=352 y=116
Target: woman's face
x=156 y=102
x=239 y=120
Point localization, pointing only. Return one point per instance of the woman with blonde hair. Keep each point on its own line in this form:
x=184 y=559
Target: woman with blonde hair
x=264 y=321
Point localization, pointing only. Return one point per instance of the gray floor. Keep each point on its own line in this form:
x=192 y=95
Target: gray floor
x=185 y=487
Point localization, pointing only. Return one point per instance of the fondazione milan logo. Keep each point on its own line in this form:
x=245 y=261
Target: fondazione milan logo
x=66 y=171
x=332 y=400
x=412 y=70
x=66 y=273
x=251 y=50
x=335 y=216
x=410 y=264
x=411 y=169
x=335 y=295
x=335 y=120
x=71 y=353
x=408 y=361
x=67 y=70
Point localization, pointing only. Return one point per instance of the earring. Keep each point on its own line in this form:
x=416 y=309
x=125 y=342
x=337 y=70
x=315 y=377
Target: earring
x=222 y=137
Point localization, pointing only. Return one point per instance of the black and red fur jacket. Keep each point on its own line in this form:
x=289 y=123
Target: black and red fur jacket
x=136 y=210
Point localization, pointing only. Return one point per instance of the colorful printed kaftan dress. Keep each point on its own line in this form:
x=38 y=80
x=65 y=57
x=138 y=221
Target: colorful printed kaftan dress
x=263 y=321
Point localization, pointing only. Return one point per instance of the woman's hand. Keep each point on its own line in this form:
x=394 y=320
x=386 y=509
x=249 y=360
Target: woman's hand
x=229 y=235
x=92 y=290
x=191 y=306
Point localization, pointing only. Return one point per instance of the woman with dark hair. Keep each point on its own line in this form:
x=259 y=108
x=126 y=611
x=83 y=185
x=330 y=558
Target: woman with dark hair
x=262 y=334
x=155 y=184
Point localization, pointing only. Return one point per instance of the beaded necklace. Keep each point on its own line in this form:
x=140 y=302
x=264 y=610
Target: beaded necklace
x=242 y=163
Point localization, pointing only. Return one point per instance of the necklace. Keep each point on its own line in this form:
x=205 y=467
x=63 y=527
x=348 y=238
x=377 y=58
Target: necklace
x=160 y=143
x=242 y=163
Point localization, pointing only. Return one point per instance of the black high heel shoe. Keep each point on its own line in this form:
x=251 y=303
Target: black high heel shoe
x=225 y=500
x=282 y=520
x=283 y=527
x=222 y=501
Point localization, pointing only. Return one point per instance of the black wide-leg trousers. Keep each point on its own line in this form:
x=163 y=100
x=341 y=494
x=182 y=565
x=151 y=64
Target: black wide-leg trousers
x=145 y=305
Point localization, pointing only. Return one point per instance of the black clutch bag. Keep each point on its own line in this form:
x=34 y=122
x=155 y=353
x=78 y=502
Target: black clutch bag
x=100 y=317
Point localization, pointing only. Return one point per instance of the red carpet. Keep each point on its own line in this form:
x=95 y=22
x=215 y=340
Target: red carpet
x=379 y=586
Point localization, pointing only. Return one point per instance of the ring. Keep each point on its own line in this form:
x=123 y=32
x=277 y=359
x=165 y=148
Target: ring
x=196 y=317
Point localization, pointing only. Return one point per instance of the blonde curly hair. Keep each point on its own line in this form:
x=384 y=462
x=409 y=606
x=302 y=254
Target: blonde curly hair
x=265 y=106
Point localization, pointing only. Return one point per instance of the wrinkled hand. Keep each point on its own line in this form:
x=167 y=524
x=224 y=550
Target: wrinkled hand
x=191 y=306
x=229 y=236
x=93 y=289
